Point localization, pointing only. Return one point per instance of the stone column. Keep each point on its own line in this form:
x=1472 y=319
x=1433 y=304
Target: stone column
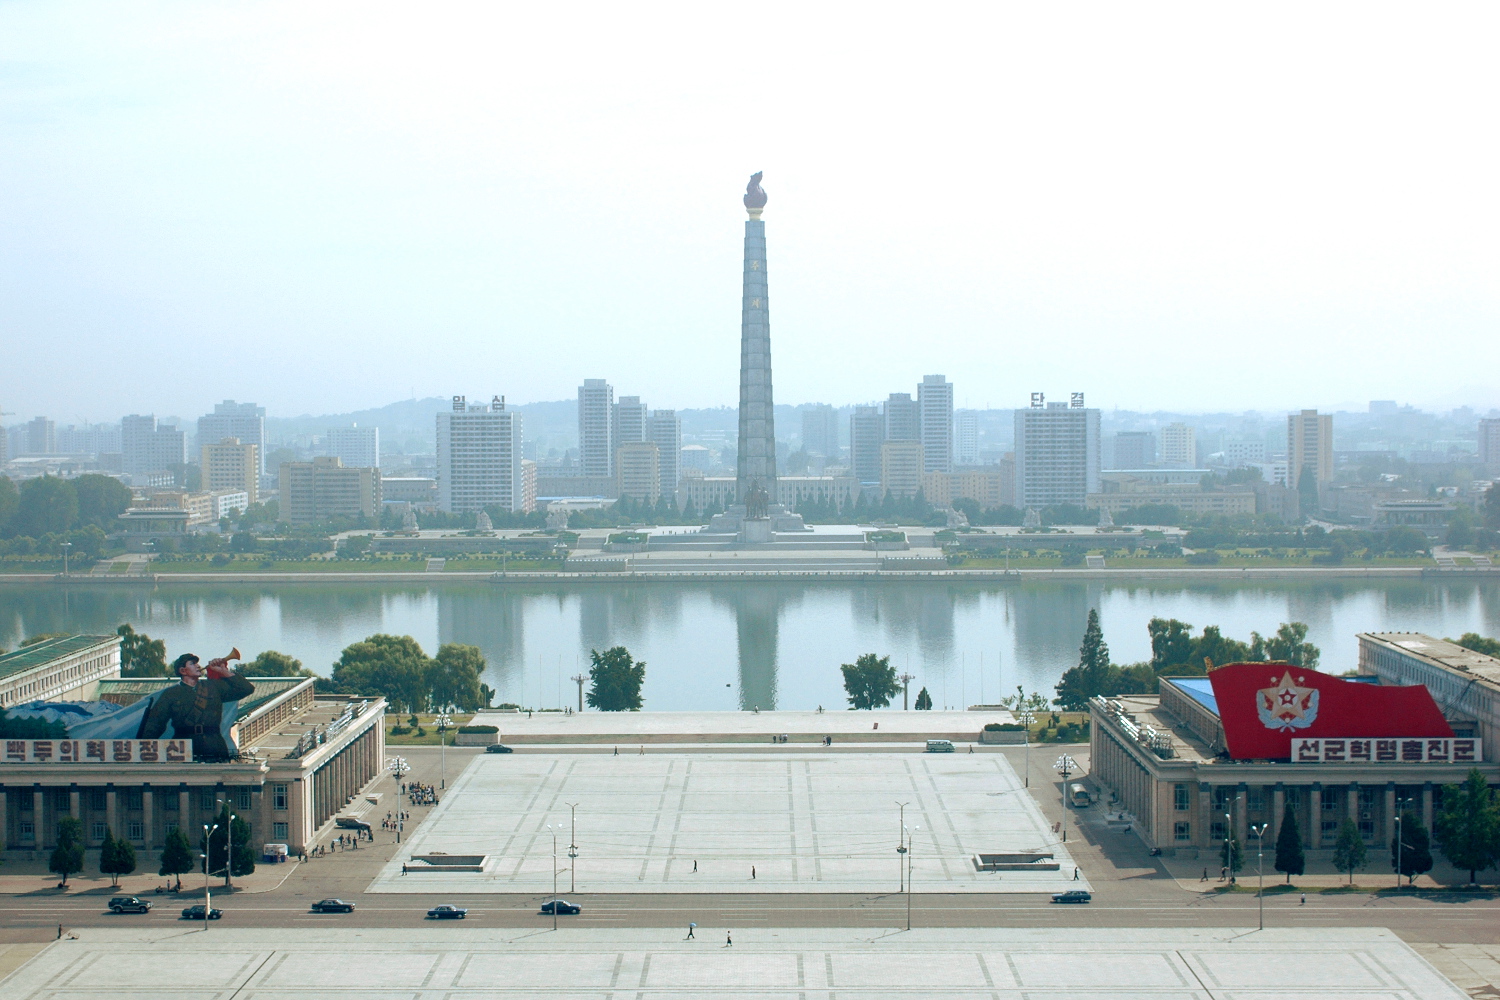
x=38 y=817
x=1205 y=816
x=111 y=813
x=1390 y=811
x=148 y=816
x=73 y=803
x=1426 y=808
x=4 y=818
x=1315 y=816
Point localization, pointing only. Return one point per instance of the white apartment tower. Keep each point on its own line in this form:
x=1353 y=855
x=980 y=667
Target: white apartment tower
x=630 y=420
x=1309 y=446
x=1057 y=453
x=479 y=457
x=1179 y=446
x=935 y=422
x=356 y=447
x=146 y=448
x=596 y=430
x=966 y=438
x=664 y=429
x=244 y=421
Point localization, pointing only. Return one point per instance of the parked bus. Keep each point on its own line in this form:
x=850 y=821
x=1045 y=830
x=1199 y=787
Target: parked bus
x=1079 y=797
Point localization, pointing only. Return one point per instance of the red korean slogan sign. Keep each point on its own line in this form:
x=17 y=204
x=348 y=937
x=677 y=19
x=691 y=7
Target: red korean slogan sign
x=96 y=751
x=1266 y=706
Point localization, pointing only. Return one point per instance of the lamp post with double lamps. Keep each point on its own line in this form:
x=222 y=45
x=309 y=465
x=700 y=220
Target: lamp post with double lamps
x=65 y=546
x=901 y=849
x=1400 y=846
x=398 y=768
x=1026 y=719
x=1260 y=872
x=443 y=721
x=553 y=830
x=228 y=844
x=208 y=903
x=909 y=835
x=573 y=847
x=1065 y=766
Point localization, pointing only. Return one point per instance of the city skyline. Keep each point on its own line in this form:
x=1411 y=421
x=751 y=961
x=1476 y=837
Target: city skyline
x=191 y=208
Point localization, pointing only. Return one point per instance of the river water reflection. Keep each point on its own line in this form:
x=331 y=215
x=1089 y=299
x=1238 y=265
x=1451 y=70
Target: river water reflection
x=741 y=645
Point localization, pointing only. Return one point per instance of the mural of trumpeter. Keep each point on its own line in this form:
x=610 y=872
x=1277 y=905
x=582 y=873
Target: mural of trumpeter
x=195 y=706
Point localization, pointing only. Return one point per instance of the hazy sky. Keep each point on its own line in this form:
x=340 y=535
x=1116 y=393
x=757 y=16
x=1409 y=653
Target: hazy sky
x=324 y=206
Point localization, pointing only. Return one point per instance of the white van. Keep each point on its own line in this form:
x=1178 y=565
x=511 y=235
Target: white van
x=939 y=746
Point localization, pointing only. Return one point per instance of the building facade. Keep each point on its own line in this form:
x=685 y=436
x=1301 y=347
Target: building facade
x=1489 y=441
x=229 y=466
x=935 y=423
x=596 y=428
x=638 y=470
x=147 y=448
x=321 y=489
x=630 y=420
x=866 y=433
x=1057 y=453
x=966 y=438
x=1179 y=446
x=1133 y=450
x=41 y=436
x=984 y=484
x=820 y=430
x=357 y=447
x=664 y=429
x=1309 y=446
x=1465 y=684
x=903 y=418
x=244 y=421
x=479 y=455
x=901 y=468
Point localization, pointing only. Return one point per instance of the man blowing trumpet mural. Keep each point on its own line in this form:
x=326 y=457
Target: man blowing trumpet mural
x=194 y=708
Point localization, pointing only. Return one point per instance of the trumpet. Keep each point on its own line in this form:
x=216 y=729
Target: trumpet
x=219 y=666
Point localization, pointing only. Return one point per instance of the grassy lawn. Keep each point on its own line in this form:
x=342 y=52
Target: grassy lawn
x=428 y=727
x=255 y=564
x=1228 y=559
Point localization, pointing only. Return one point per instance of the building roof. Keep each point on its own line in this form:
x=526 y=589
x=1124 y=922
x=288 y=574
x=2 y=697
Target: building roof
x=1444 y=654
x=136 y=688
x=41 y=653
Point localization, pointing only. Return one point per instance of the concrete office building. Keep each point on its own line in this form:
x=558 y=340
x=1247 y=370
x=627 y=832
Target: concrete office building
x=1239 y=454
x=966 y=438
x=408 y=489
x=695 y=456
x=935 y=423
x=901 y=468
x=630 y=420
x=664 y=429
x=866 y=432
x=1489 y=442
x=596 y=428
x=903 y=419
x=1133 y=450
x=230 y=466
x=1309 y=446
x=1057 y=453
x=1179 y=446
x=479 y=455
x=638 y=469
x=323 y=488
x=357 y=447
x=244 y=421
x=820 y=430
x=148 y=449
x=985 y=485
x=1465 y=684
x=41 y=436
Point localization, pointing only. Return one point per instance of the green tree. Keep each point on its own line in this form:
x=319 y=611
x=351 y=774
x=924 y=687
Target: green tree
x=10 y=499
x=101 y=499
x=1288 y=645
x=67 y=856
x=177 y=856
x=924 y=701
x=393 y=666
x=141 y=655
x=487 y=695
x=1171 y=643
x=1491 y=510
x=1478 y=643
x=116 y=857
x=1411 y=853
x=49 y=505
x=1289 y=856
x=453 y=677
x=1091 y=677
x=1307 y=492
x=1460 y=529
x=1468 y=828
x=1349 y=849
x=870 y=681
x=273 y=664
x=615 y=680
x=1230 y=855
x=221 y=843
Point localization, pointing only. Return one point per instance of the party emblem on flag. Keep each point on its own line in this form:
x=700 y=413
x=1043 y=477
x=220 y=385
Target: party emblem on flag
x=1285 y=706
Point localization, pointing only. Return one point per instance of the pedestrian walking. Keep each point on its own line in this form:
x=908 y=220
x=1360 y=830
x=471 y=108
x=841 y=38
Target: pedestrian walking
x=1303 y=900
x=403 y=869
x=695 y=865
x=752 y=872
x=617 y=751
x=1204 y=876
x=728 y=939
x=690 y=932
x=1075 y=873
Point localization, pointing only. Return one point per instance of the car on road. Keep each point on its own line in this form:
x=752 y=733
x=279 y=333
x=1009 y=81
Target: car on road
x=940 y=746
x=333 y=906
x=195 y=912
x=446 y=912
x=563 y=907
x=498 y=748
x=351 y=823
x=1072 y=896
x=129 y=904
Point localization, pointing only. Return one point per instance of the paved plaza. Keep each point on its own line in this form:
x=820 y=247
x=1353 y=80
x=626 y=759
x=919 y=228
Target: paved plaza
x=719 y=727
x=458 y=963
x=801 y=822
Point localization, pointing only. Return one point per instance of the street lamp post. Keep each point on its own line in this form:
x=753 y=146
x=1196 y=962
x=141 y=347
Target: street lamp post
x=901 y=849
x=905 y=680
x=579 y=679
x=208 y=904
x=1260 y=873
x=573 y=847
x=1065 y=766
x=398 y=767
x=65 y=546
x=1228 y=849
x=909 y=843
x=1400 y=845
x=1026 y=720
x=553 y=831
x=443 y=721
x=228 y=844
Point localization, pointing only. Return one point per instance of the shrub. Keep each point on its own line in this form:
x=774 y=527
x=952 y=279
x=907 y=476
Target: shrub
x=1003 y=727
x=478 y=729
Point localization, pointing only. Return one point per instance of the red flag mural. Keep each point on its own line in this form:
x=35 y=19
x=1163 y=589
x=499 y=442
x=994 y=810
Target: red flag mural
x=1264 y=706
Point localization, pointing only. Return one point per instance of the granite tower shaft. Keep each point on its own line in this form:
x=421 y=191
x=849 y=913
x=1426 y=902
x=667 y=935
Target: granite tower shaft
x=757 y=444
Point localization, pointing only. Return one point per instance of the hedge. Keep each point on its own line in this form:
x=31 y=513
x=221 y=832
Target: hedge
x=478 y=729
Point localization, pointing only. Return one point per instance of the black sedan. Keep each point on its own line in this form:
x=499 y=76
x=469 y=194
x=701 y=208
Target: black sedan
x=195 y=912
x=446 y=912
x=332 y=906
x=563 y=907
x=1072 y=896
x=498 y=748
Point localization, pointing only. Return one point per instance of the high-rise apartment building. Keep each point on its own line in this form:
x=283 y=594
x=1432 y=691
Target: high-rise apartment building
x=901 y=468
x=479 y=456
x=903 y=420
x=630 y=420
x=664 y=429
x=357 y=447
x=638 y=470
x=41 y=436
x=147 y=448
x=1133 y=450
x=596 y=428
x=1057 y=453
x=244 y=421
x=966 y=438
x=866 y=432
x=322 y=489
x=935 y=423
x=1179 y=446
x=1489 y=441
x=1309 y=447
x=229 y=466
x=820 y=430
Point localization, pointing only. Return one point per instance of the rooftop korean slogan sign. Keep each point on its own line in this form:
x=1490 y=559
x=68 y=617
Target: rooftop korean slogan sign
x=1266 y=707
x=97 y=752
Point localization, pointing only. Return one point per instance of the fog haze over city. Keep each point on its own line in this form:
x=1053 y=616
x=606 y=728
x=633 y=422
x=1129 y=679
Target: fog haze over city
x=326 y=210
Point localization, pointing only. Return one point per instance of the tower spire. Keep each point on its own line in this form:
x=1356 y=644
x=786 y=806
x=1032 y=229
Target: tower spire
x=757 y=443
